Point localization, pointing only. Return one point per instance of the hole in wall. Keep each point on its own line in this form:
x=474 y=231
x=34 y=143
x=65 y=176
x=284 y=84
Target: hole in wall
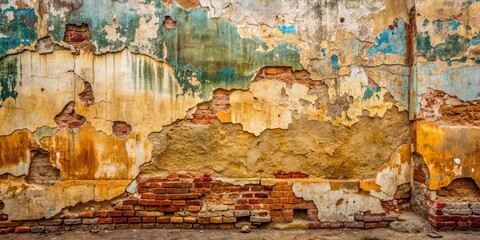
x=169 y=23
x=300 y=214
x=460 y=187
x=121 y=129
x=67 y=118
x=77 y=33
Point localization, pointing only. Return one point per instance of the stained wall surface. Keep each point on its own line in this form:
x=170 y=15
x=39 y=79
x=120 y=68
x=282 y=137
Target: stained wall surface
x=323 y=102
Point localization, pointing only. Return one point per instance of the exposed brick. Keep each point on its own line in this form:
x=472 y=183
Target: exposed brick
x=104 y=220
x=7 y=230
x=90 y=221
x=216 y=220
x=114 y=214
x=120 y=220
x=437 y=224
x=163 y=219
x=176 y=219
x=9 y=224
x=22 y=229
x=372 y=218
x=86 y=215
x=37 y=229
x=190 y=219
x=72 y=221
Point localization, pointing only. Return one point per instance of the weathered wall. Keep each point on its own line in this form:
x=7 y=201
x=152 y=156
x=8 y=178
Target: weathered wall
x=100 y=97
x=445 y=93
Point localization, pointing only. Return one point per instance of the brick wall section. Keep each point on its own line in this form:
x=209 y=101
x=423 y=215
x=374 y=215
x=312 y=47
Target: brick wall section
x=287 y=75
x=206 y=113
x=69 y=118
x=121 y=129
x=198 y=201
x=444 y=214
x=75 y=35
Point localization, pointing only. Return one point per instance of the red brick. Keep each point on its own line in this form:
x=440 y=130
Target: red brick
x=276 y=194
x=120 y=220
x=128 y=213
x=10 y=224
x=276 y=206
x=463 y=224
x=437 y=224
x=104 y=220
x=256 y=188
x=134 y=219
x=121 y=207
x=7 y=230
x=148 y=196
x=268 y=200
x=151 y=202
x=475 y=218
x=178 y=202
x=86 y=214
x=115 y=213
x=254 y=201
x=170 y=208
x=194 y=202
x=283 y=188
x=130 y=202
x=247 y=195
x=163 y=219
x=22 y=229
x=261 y=195
x=305 y=205
x=149 y=219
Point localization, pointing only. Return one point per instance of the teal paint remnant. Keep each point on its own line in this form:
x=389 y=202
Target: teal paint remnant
x=463 y=82
x=8 y=79
x=286 y=29
x=205 y=53
x=453 y=45
x=324 y=52
x=425 y=22
x=212 y=52
x=476 y=40
x=391 y=41
x=21 y=30
x=369 y=91
x=438 y=24
x=454 y=25
x=334 y=59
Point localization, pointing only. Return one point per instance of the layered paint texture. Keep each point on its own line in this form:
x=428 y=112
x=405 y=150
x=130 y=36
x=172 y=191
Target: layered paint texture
x=96 y=96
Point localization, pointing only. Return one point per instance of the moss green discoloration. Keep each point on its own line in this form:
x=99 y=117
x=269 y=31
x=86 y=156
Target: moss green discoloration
x=20 y=30
x=8 y=79
x=212 y=51
x=205 y=53
x=453 y=46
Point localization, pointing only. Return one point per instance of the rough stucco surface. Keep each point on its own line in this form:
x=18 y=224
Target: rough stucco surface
x=324 y=88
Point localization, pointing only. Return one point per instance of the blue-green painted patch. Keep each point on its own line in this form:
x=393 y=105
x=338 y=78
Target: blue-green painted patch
x=453 y=45
x=391 y=41
x=334 y=59
x=425 y=22
x=199 y=48
x=19 y=31
x=287 y=29
x=324 y=52
x=369 y=91
x=454 y=25
x=8 y=79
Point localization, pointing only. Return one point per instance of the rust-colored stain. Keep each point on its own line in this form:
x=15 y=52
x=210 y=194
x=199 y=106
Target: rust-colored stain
x=182 y=3
x=15 y=152
x=90 y=154
x=449 y=152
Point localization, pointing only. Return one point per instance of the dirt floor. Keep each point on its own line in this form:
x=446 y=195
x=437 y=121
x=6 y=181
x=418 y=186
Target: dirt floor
x=375 y=234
